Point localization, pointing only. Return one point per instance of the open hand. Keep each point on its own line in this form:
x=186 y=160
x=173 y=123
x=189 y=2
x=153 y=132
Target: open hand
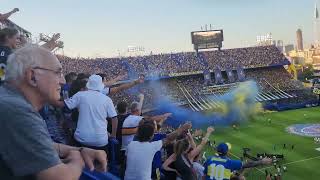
x=15 y=10
x=55 y=37
x=210 y=129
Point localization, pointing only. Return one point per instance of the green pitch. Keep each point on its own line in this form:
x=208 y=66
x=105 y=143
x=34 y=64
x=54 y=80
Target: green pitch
x=260 y=135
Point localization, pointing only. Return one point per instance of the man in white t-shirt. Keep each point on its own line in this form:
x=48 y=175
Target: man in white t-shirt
x=94 y=107
x=130 y=127
x=140 y=153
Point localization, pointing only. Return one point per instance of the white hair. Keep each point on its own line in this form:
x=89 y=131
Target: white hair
x=22 y=59
x=134 y=106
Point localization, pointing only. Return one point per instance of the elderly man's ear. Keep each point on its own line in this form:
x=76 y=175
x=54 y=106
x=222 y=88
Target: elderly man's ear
x=31 y=79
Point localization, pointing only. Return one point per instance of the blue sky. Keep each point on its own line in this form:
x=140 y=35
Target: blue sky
x=105 y=27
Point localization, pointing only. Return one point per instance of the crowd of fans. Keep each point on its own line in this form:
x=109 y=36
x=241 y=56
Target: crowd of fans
x=167 y=64
x=195 y=84
x=266 y=77
x=164 y=64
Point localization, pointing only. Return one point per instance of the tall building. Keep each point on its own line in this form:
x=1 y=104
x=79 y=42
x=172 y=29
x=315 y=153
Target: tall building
x=299 y=40
x=316 y=26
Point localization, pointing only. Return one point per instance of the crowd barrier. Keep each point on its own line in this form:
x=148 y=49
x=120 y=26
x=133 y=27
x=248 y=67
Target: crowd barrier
x=284 y=107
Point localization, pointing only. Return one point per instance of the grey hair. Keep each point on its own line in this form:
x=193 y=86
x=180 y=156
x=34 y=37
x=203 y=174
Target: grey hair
x=134 y=107
x=22 y=59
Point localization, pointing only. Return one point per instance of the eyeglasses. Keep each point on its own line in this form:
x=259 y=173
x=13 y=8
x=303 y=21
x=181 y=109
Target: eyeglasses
x=56 y=72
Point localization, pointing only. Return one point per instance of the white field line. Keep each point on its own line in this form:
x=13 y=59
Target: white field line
x=293 y=162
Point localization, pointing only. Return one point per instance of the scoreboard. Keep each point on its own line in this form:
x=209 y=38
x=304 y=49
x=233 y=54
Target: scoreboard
x=207 y=39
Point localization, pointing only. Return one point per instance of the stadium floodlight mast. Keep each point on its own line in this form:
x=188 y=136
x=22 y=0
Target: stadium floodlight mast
x=135 y=50
x=206 y=27
x=263 y=40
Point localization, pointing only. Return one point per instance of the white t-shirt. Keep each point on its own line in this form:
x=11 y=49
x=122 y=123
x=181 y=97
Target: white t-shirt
x=131 y=121
x=105 y=91
x=94 y=107
x=139 y=159
x=198 y=169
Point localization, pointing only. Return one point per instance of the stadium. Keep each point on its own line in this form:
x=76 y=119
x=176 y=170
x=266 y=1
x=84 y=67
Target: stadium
x=250 y=95
x=181 y=77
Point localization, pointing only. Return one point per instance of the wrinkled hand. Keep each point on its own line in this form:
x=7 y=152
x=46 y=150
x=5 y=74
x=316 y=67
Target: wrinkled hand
x=74 y=156
x=266 y=161
x=95 y=159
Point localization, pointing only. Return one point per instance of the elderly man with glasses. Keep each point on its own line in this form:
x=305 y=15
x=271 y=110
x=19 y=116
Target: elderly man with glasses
x=34 y=77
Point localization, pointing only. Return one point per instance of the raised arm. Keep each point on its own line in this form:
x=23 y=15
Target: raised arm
x=191 y=140
x=141 y=100
x=115 y=80
x=172 y=136
x=166 y=163
x=51 y=44
x=161 y=118
x=250 y=164
x=7 y=15
x=125 y=86
x=204 y=141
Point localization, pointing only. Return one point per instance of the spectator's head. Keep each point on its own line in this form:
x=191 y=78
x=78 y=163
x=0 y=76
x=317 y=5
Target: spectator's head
x=103 y=76
x=146 y=130
x=122 y=107
x=70 y=77
x=9 y=37
x=223 y=149
x=182 y=146
x=95 y=83
x=37 y=73
x=78 y=85
x=83 y=76
x=135 y=109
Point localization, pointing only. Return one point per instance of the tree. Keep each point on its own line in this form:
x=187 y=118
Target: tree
x=307 y=72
